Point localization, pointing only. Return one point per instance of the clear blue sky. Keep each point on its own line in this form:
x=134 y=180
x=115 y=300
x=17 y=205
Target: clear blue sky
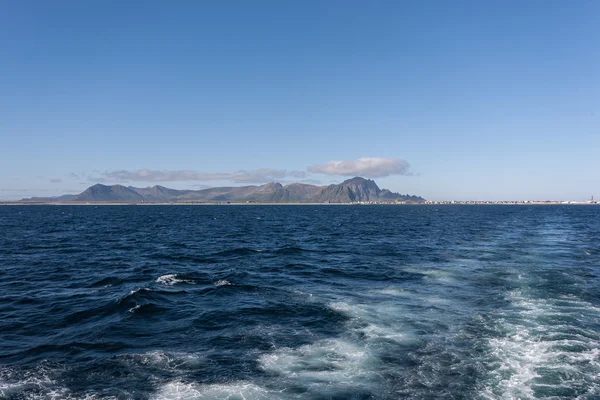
x=483 y=99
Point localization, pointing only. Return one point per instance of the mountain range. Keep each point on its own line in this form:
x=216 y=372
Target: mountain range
x=352 y=190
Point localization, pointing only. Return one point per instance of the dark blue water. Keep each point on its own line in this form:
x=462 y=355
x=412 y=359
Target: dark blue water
x=299 y=302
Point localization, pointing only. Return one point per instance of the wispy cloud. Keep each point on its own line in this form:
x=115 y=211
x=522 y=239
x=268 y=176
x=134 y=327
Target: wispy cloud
x=367 y=167
x=311 y=181
x=371 y=167
x=148 y=175
x=55 y=180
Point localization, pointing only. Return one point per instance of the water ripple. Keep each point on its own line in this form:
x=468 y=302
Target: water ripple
x=306 y=302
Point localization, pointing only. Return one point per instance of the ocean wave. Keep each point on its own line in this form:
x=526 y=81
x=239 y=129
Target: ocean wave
x=108 y=281
x=183 y=258
x=41 y=383
x=238 y=251
x=374 y=303
x=291 y=250
x=444 y=276
x=538 y=357
x=347 y=366
x=146 y=309
x=182 y=390
x=173 y=279
x=336 y=361
x=146 y=293
x=164 y=361
x=147 y=301
x=14 y=381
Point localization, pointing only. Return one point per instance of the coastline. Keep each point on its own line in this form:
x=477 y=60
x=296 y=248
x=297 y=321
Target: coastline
x=453 y=203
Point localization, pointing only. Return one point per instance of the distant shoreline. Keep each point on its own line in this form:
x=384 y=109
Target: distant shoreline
x=62 y=203
x=456 y=203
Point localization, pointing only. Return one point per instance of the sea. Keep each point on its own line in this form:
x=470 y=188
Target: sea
x=300 y=302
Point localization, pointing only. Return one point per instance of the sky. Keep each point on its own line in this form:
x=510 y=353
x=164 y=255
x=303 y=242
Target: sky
x=460 y=100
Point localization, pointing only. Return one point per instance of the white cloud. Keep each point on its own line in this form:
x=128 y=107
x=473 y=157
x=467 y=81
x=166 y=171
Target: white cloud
x=148 y=175
x=370 y=167
x=311 y=181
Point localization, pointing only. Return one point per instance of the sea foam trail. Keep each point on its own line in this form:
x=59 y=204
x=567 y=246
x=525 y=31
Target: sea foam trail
x=355 y=303
x=379 y=355
x=40 y=383
x=165 y=361
x=544 y=343
x=14 y=382
x=543 y=353
x=181 y=390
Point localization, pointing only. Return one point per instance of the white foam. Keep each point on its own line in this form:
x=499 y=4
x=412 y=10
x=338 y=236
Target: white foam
x=383 y=332
x=180 y=390
x=65 y=394
x=375 y=321
x=443 y=276
x=377 y=312
x=342 y=365
x=411 y=294
x=329 y=361
x=222 y=282
x=13 y=381
x=340 y=306
x=394 y=291
x=532 y=348
x=39 y=384
x=133 y=309
x=135 y=291
x=168 y=361
x=172 y=279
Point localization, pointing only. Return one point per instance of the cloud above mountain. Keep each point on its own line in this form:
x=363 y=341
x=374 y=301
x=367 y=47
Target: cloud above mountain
x=370 y=167
x=147 y=175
